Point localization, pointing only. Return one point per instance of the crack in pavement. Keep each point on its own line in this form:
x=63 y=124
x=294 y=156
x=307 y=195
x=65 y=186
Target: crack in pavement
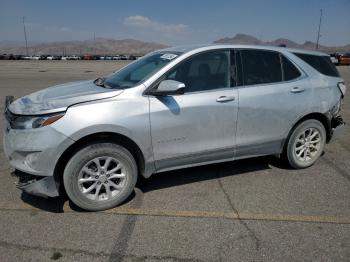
x=162 y=258
x=228 y=245
x=52 y=249
x=251 y=232
x=121 y=243
x=339 y=170
x=24 y=247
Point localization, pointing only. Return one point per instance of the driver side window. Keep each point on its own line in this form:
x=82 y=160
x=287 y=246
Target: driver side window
x=203 y=72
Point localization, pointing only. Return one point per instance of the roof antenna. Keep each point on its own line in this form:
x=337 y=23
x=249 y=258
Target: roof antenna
x=319 y=30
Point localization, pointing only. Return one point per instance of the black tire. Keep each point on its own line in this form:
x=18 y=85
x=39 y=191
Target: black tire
x=293 y=143
x=79 y=160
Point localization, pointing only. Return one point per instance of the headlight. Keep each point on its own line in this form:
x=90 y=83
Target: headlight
x=27 y=122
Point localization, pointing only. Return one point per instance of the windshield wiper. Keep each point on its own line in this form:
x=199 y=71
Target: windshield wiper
x=101 y=82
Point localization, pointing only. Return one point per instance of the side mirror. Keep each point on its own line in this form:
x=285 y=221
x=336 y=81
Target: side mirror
x=169 y=87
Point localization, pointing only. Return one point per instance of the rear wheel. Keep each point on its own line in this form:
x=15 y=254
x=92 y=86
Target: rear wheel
x=305 y=144
x=100 y=176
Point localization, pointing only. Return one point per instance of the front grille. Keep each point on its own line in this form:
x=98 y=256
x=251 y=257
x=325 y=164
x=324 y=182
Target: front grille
x=24 y=178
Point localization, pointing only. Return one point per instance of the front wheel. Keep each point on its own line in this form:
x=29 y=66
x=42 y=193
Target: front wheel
x=100 y=176
x=305 y=144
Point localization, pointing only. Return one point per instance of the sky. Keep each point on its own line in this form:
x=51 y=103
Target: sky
x=175 y=22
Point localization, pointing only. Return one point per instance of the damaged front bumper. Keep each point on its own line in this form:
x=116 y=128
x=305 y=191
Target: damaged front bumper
x=34 y=151
x=34 y=154
x=36 y=185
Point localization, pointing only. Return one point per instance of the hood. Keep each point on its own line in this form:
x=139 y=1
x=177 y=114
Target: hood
x=58 y=98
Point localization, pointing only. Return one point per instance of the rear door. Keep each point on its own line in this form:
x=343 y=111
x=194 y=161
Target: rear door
x=273 y=94
x=198 y=126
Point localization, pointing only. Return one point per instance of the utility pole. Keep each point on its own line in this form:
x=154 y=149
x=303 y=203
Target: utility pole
x=25 y=35
x=319 y=30
x=94 y=47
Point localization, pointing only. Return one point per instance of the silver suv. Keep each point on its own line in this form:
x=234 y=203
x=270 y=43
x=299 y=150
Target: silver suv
x=173 y=108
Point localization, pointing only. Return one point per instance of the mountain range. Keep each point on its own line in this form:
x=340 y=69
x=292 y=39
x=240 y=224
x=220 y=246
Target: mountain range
x=99 y=46
x=308 y=45
x=103 y=46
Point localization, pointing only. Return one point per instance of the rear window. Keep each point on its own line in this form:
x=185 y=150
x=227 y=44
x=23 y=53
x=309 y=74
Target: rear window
x=322 y=64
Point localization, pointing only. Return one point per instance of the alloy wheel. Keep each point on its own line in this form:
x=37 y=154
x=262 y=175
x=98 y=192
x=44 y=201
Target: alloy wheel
x=102 y=178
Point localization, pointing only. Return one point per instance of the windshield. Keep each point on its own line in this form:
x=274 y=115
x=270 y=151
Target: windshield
x=138 y=71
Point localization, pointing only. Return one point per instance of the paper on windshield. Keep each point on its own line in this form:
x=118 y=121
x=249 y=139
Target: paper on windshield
x=168 y=56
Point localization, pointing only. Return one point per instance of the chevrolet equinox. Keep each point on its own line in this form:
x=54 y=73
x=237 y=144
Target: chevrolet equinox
x=173 y=108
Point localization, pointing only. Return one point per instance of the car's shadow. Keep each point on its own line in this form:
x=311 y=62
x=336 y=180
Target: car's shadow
x=170 y=179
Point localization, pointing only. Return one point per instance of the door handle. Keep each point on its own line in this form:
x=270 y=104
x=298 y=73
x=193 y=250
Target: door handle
x=297 y=89
x=223 y=99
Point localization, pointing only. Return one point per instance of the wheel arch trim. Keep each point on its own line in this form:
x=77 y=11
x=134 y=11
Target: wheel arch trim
x=145 y=167
x=324 y=118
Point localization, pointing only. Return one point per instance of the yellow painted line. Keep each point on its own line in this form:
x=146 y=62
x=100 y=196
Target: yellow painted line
x=231 y=215
x=172 y=213
x=296 y=218
x=202 y=214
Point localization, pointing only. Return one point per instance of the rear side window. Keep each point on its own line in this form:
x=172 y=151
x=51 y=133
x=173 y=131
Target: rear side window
x=290 y=72
x=322 y=64
x=260 y=67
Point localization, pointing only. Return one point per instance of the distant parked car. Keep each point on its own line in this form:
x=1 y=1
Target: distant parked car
x=18 y=57
x=11 y=57
x=4 y=56
x=124 y=57
x=36 y=57
x=108 y=58
x=334 y=58
x=73 y=57
x=87 y=57
x=64 y=58
x=116 y=57
x=51 y=57
x=344 y=59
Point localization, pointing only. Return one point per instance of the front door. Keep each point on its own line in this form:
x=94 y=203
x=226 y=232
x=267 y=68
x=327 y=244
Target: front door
x=198 y=126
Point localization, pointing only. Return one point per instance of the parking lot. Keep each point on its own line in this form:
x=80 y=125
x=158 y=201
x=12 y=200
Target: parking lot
x=248 y=210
